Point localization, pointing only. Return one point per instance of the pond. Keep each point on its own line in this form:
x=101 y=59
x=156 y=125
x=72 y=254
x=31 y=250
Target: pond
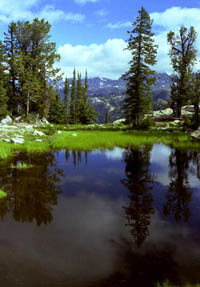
x=121 y=217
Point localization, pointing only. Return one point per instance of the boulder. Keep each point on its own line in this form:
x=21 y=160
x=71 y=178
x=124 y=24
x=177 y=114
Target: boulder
x=118 y=122
x=59 y=132
x=17 y=140
x=38 y=140
x=163 y=114
x=44 y=121
x=196 y=135
x=38 y=133
x=6 y=120
x=74 y=135
x=18 y=119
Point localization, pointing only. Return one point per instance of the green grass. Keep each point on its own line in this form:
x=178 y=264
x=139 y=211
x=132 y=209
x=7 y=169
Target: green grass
x=3 y=194
x=96 y=139
x=168 y=284
x=21 y=165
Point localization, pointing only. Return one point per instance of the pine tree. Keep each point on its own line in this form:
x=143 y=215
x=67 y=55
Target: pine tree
x=66 y=100
x=88 y=115
x=195 y=98
x=183 y=57
x=140 y=77
x=30 y=60
x=56 y=113
x=3 y=83
x=72 y=108
x=107 y=116
x=11 y=49
x=80 y=100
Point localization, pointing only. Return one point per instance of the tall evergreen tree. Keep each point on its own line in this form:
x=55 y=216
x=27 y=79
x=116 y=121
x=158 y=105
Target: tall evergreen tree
x=183 y=57
x=80 y=100
x=10 y=43
x=56 y=109
x=140 y=76
x=72 y=111
x=3 y=83
x=66 y=100
x=195 y=97
x=30 y=62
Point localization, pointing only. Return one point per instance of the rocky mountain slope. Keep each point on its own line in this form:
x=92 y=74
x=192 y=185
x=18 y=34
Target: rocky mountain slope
x=109 y=94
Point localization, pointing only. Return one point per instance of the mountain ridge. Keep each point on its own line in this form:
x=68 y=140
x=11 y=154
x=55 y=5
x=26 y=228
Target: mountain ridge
x=105 y=93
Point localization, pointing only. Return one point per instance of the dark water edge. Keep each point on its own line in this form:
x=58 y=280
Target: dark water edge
x=115 y=218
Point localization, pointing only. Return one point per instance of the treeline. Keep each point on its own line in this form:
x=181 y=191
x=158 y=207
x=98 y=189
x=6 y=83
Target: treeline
x=27 y=60
x=75 y=108
x=140 y=77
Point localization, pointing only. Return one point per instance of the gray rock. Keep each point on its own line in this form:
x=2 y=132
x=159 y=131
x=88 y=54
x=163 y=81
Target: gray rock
x=6 y=120
x=118 y=122
x=59 y=132
x=17 y=140
x=7 y=140
x=196 y=135
x=74 y=135
x=44 y=121
x=18 y=119
x=38 y=133
x=38 y=140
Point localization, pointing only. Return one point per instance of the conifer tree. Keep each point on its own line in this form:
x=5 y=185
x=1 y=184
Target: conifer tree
x=56 y=109
x=107 y=116
x=140 y=77
x=30 y=60
x=66 y=100
x=80 y=101
x=3 y=83
x=10 y=44
x=195 y=97
x=183 y=57
x=88 y=114
x=72 y=111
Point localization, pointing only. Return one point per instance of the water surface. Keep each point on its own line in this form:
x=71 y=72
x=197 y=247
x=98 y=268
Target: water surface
x=122 y=217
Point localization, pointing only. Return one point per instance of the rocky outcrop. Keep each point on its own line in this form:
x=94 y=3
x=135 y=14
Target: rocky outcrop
x=196 y=134
x=6 y=120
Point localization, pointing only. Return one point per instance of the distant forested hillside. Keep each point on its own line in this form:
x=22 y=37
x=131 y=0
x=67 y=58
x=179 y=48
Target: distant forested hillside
x=109 y=94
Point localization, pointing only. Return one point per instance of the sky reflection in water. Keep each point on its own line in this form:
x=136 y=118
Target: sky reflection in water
x=113 y=218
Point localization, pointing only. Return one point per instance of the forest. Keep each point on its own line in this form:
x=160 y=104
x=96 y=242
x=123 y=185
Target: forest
x=28 y=76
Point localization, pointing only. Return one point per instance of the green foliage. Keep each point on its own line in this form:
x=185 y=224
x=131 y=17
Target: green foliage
x=146 y=123
x=3 y=80
x=30 y=63
x=56 y=113
x=66 y=101
x=183 y=57
x=107 y=120
x=3 y=194
x=140 y=77
x=80 y=110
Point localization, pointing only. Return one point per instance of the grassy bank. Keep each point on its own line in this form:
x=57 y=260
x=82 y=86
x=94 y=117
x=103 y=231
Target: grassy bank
x=168 y=284
x=75 y=138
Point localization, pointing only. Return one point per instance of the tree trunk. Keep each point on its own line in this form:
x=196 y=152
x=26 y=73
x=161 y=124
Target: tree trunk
x=28 y=105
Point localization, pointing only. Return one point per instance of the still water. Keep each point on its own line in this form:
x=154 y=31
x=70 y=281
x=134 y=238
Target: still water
x=122 y=217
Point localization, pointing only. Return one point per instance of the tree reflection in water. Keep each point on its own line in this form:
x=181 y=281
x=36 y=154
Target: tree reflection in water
x=31 y=192
x=179 y=195
x=139 y=182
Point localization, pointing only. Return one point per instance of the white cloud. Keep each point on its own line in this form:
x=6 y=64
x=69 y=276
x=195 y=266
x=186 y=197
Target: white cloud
x=101 y=13
x=12 y=10
x=119 y=25
x=106 y=60
x=52 y=15
x=174 y=17
x=82 y=2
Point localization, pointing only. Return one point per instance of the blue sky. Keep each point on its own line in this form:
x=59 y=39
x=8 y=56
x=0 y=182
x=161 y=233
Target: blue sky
x=91 y=34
